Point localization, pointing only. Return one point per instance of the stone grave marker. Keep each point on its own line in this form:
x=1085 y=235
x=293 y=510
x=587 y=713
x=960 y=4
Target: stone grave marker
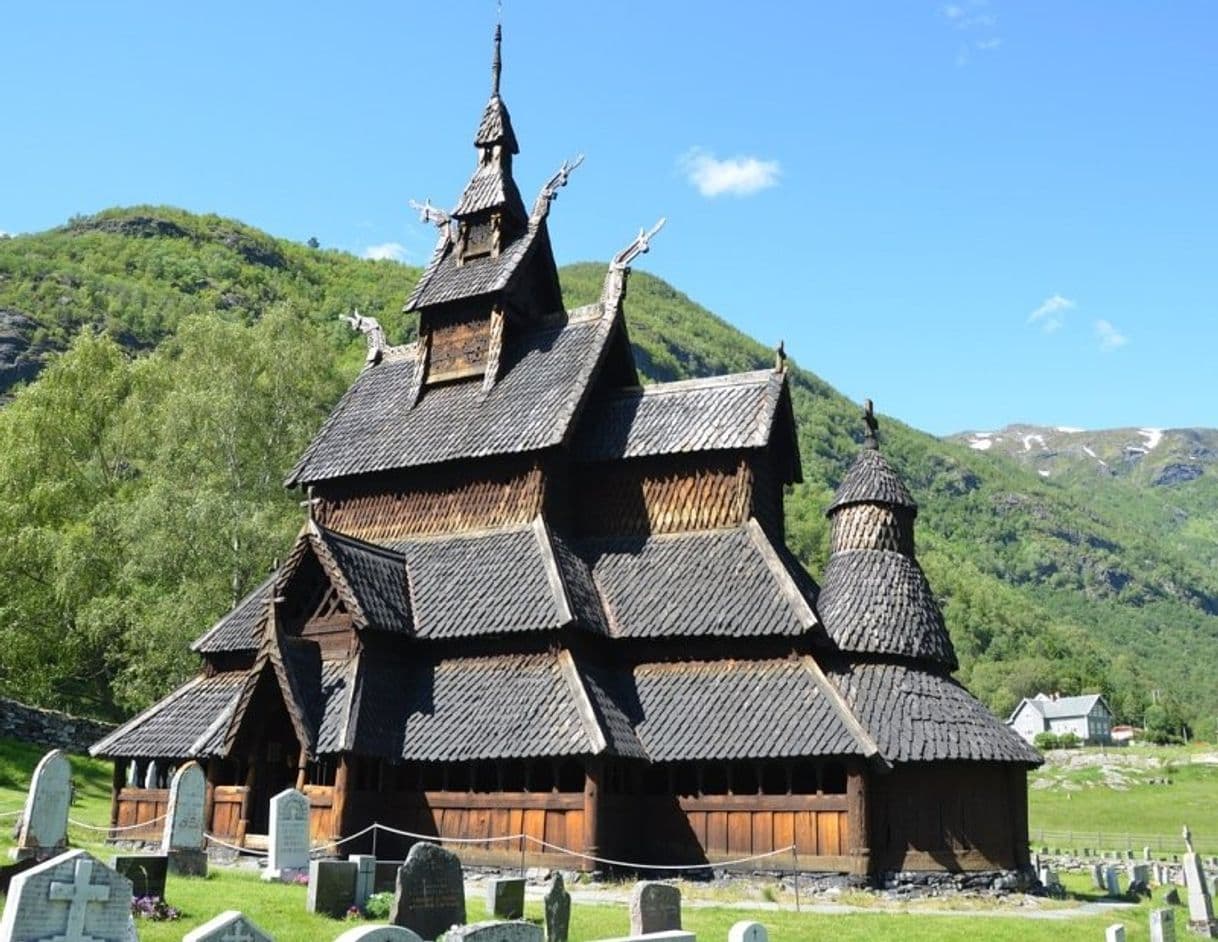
x=150 y=776
x=1114 y=933
x=1172 y=897
x=671 y=935
x=494 y=931
x=182 y=838
x=288 y=841
x=145 y=871
x=1146 y=855
x=1112 y=881
x=331 y=887
x=654 y=907
x=505 y=897
x=557 y=905
x=1098 y=878
x=1200 y=906
x=229 y=926
x=365 y=877
x=430 y=893
x=44 y=823
x=379 y=934
x=70 y=898
x=1162 y=925
x=747 y=932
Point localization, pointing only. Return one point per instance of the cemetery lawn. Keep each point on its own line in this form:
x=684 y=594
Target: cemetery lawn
x=1116 y=800
x=90 y=779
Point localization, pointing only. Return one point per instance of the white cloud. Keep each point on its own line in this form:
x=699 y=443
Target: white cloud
x=1051 y=313
x=972 y=16
x=987 y=44
x=735 y=176
x=392 y=251
x=1110 y=338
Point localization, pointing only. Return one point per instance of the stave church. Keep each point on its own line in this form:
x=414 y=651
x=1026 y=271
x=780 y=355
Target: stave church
x=532 y=596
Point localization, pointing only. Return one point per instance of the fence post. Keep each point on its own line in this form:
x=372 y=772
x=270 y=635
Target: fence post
x=795 y=860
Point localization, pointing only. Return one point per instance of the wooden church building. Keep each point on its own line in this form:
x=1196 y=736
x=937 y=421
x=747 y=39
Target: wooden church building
x=531 y=595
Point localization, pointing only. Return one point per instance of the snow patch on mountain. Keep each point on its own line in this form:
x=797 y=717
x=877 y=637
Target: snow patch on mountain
x=1152 y=435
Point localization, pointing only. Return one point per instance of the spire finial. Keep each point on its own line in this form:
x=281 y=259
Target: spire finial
x=780 y=358
x=497 y=62
x=870 y=440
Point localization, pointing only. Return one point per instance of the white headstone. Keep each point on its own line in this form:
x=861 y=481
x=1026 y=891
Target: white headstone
x=379 y=934
x=494 y=931
x=184 y=819
x=747 y=932
x=288 y=841
x=1162 y=925
x=150 y=776
x=1200 y=906
x=668 y=935
x=70 y=898
x=44 y=823
x=1114 y=933
x=1112 y=879
x=230 y=926
x=365 y=877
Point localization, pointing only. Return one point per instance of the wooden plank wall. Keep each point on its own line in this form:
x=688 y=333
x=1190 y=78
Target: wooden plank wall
x=137 y=805
x=728 y=827
x=227 y=802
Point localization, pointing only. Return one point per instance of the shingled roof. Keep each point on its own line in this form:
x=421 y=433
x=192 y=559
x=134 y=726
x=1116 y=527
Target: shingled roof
x=727 y=582
x=879 y=602
x=919 y=715
x=731 y=709
x=241 y=628
x=190 y=722
x=497 y=707
x=371 y=579
x=543 y=381
x=722 y=412
x=872 y=480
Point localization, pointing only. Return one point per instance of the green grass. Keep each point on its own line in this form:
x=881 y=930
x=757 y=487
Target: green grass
x=1079 y=808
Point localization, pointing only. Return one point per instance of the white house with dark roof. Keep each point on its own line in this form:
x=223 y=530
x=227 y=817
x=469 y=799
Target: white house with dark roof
x=1087 y=717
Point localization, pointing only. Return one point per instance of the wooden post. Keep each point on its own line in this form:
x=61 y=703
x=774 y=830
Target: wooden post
x=342 y=778
x=117 y=782
x=1017 y=778
x=593 y=773
x=302 y=770
x=251 y=781
x=857 y=825
x=210 y=768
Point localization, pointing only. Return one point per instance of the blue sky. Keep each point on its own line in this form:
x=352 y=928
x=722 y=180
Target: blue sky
x=973 y=212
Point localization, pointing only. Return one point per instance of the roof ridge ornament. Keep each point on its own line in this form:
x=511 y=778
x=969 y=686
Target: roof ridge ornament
x=549 y=192
x=371 y=328
x=780 y=358
x=871 y=439
x=614 y=289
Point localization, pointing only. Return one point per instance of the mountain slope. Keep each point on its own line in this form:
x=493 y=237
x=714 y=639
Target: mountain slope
x=157 y=498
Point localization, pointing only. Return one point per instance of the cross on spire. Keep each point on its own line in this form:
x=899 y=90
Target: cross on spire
x=78 y=894
x=870 y=440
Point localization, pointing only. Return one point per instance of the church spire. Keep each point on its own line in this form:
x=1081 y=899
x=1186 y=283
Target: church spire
x=497 y=62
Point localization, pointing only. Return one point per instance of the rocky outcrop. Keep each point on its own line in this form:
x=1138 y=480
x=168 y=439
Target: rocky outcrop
x=19 y=360
x=1177 y=474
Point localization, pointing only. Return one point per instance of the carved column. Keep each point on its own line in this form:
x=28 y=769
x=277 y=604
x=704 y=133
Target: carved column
x=594 y=771
x=858 y=828
x=342 y=784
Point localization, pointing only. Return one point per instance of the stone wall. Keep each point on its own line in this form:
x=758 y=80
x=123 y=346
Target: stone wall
x=49 y=728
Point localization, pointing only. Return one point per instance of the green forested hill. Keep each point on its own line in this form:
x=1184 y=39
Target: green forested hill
x=188 y=359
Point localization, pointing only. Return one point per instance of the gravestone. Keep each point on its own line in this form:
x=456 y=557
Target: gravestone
x=378 y=934
x=150 y=776
x=44 y=823
x=557 y=905
x=654 y=907
x=1112 y=881
x=145 y=871
x=1114 y=933
x=1146 y=855
x=365 y=877
x=1162 y=925
x=1098 y=878
x=230 y=926
x=288 y=840
x=671 y=935
x=70 y=898
x=182 y=838
x=331 y=887
x=494 y=932
x=430 y=893
x=1200 y=906
x=505 y=897
x=1172 y=897
x=747 y=932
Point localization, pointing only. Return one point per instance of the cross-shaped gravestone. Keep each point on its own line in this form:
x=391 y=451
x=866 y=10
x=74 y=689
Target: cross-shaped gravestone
x=70 y=898
x=78 y=895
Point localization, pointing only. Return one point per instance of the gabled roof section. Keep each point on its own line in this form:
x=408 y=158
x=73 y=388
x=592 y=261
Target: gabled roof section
x=872 y=480
x=919 y=715
x=497 y=707
x=507 y=581
x=728 y=583
x=190 y=722
x=732 y=412
x=496 y=127
x=490 y=186
x=1063 y=707
x=732 y=709
x=241 y=628
x=879 y=602
x=544 y=378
